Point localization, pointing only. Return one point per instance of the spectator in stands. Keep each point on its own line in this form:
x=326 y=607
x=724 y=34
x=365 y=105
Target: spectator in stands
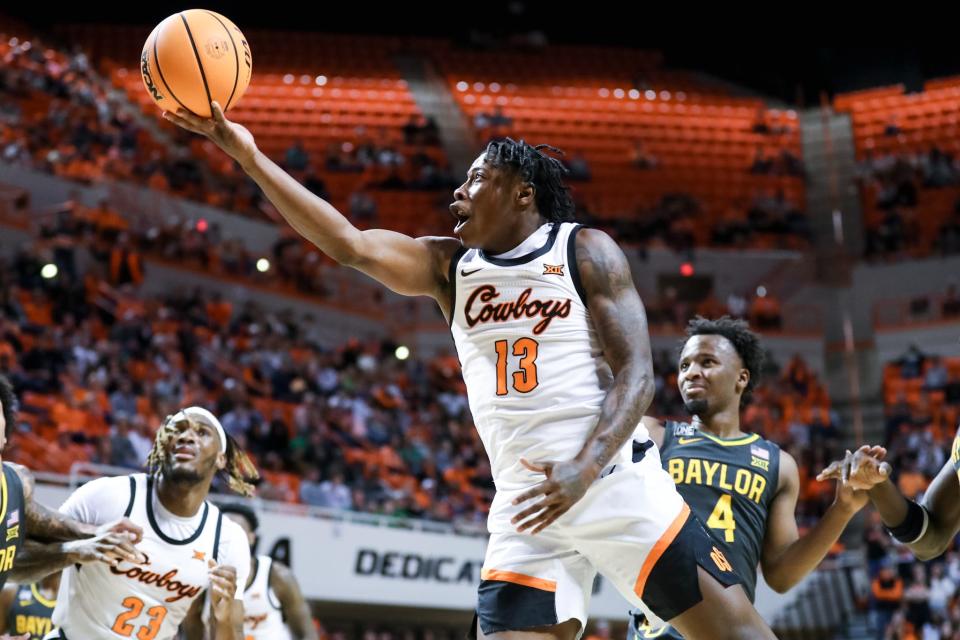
x=315 y=184
x=641 y=158
x=912 y=362
x=942 y=590
x=887 y=591
x=938 y=169
x=936 y=376
x=917 y=596
x=951 y=393
x=296 y=157
x=390 y=158
x=126 y=265
x=363 y=208
x=948 y=240
x=493 y=125
x=411 y=130
x=789 y=164
x=892 y=129
x=578 y=167
x=762 y=164
x=760 y=124
x=499 y=119
x=122 y=451
x=430 y=132
x=765 y=311
x=421 y=131
x=123 y=401
x=950 y=307
x=877 y=543
x=336 y=494
x=737 y=305
x=141 y=437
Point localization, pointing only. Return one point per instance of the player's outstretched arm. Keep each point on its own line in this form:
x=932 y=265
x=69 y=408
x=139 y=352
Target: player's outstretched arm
x=294 y=607
x=927 y=529
x=37 y=560
x=410 y=266
x=942 y=504
x=621 y=325
x=786 y=558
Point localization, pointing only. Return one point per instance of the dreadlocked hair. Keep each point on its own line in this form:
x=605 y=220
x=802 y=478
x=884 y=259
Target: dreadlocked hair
x=239 y=472
x=744 y=341
x=545 y=173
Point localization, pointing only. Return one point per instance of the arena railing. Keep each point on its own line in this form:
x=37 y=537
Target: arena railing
x=82 y=472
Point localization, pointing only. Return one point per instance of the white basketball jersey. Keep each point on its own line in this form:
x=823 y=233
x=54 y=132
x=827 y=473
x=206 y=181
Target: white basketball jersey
x=262 y=614
x=535 y=373
x=148 y=602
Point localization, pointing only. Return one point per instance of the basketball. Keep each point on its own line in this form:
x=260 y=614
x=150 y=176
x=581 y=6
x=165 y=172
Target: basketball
x=193 y=58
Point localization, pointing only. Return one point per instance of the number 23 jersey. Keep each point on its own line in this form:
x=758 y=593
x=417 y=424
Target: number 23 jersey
x=97 y=601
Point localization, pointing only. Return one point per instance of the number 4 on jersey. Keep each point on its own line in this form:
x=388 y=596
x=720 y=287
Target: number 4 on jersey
x=722 y=518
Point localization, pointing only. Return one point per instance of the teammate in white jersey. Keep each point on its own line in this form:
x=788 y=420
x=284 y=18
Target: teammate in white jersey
x=273 y=606
x=189 y=546
x=556 y=357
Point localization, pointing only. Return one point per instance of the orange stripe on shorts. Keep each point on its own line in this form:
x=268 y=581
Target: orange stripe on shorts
x=668 y=536
x=518 y=578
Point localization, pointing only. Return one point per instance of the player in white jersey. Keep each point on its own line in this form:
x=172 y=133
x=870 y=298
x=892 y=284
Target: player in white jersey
x=273 y=606
x=553 y=340
x=189 y=546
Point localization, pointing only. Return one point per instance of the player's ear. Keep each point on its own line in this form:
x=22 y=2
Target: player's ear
x=221 y=461
x=743 y=380
x=526 y=194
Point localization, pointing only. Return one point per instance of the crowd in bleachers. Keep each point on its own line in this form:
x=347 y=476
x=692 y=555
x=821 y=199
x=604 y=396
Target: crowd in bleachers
x=74 y=127
x=894 y=183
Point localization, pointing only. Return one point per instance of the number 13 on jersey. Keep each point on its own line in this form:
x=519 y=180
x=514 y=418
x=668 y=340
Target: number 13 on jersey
x=524 y=380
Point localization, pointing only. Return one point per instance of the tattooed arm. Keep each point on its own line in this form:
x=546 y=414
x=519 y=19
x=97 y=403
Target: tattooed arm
x=46 y=525
x=621 y=325
x=55 y=541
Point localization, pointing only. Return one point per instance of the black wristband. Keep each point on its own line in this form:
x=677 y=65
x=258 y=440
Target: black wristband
x=913 y=526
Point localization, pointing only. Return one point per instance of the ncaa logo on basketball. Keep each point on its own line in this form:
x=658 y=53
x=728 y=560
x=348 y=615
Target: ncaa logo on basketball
x=216 y=48
x=148 y=77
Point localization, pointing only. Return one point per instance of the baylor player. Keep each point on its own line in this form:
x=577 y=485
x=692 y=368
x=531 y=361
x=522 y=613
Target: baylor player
x=743 y=487
x=26 y=610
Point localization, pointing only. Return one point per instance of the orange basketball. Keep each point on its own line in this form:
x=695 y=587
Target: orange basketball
x=193 y=58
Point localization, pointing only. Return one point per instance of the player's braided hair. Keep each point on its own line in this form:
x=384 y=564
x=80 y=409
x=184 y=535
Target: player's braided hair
x=745 y=341
x=240 y=473
x=545 y=173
